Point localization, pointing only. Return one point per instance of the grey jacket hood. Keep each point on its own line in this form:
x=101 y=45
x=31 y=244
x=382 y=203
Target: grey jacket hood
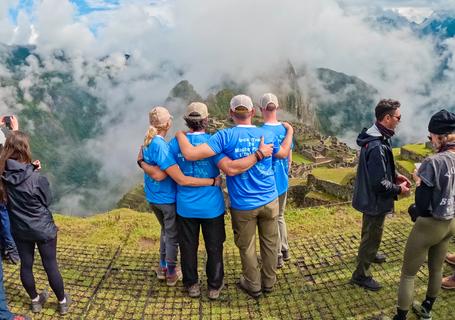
x=16 y=172
x=368 y=135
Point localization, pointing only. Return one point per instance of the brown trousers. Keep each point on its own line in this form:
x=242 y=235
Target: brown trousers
x=244 y=223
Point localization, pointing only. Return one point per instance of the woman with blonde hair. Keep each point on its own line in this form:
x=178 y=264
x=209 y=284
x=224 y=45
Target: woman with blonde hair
x=433 y=213
x=28 y=196
x=161 y=193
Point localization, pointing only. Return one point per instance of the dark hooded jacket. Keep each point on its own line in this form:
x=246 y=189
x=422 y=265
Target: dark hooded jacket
x=375 y=189
x=28 y=199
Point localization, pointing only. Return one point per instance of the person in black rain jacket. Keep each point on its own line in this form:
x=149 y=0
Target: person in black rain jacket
x=27 y=195
x=376 y=188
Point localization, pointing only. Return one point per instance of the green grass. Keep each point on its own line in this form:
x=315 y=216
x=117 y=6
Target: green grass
x=396 y=152
x=407 y=165
x=419 y=149
x=297 y=181
x=300 y=159
x=107 y=263
x=321 y=196
x=336 y=175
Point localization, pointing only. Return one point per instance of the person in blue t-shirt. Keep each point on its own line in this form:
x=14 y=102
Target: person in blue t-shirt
x=252 y=193
x=269 y=105
x=201 y=207
x=162 y=194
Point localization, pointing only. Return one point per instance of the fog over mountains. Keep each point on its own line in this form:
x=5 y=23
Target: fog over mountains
x=82 y=84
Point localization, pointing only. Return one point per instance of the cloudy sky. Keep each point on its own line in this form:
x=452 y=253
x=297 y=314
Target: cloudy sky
x=206 y=41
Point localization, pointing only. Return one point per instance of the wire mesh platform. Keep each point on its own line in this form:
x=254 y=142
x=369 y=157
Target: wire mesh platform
x=118 y=283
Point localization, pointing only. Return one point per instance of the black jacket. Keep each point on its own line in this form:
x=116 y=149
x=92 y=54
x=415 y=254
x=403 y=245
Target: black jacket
x=375 y=189
x=29 y=196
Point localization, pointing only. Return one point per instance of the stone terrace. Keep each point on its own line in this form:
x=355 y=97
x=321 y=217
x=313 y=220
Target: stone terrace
x=109 y=282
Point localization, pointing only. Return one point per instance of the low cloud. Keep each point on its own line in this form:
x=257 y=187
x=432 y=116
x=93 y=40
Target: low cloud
x=206 y=42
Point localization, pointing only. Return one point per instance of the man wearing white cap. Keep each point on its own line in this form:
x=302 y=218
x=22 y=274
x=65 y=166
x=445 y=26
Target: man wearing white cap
x=201 y=207
x=269 y=105
x=252 y=194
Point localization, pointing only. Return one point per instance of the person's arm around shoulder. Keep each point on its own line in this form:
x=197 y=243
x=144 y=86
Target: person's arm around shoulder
x=234 y=167
x=286 y=144
x=152 y=171
x=190 y=152
x=177 y=175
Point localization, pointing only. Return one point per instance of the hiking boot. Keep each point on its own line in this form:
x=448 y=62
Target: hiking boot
x=160 y=273
x=267 y=289
x=366 y=282
x=420 y=311
x=448 y=282
x=64 y=307
x=214 y=294
x=172 y=279
x=280 y=263
x=450 y=258
x=380 y=258
x=242 y=285
x=37 y=306
x=286 y=256
x=21 y=317
x=194 y=290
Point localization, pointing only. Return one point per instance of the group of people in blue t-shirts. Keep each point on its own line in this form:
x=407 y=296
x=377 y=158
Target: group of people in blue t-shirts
x=182 y=186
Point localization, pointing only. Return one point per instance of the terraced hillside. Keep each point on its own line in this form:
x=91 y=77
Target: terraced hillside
x=107 y=263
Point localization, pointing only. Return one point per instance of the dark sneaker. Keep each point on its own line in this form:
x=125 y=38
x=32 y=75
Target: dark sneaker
x=194 y=290
x=366 y=282
x=161 y=273
x=286 y=256
x=244 y=287
x=380 y=258
x=37 y=306
x=267 y=289
x=64 y=307
x=280 y=263
x=21 y=317
x=448 y=283
x=214 y=294
x=420 y=311
x=172 y=279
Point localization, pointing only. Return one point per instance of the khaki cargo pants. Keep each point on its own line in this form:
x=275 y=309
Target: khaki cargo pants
x=244 y=223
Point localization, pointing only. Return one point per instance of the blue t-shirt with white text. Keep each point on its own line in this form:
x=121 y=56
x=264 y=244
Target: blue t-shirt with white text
x=157 y=153
x=256 y=186
x=198 y=202
x=280 y=166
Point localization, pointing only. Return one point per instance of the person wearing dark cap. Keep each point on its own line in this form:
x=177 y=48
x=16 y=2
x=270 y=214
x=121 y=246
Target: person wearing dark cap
x=433 y=214
x=376 y=188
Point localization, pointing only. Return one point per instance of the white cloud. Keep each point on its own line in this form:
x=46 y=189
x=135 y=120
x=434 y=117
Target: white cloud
x=208 y=41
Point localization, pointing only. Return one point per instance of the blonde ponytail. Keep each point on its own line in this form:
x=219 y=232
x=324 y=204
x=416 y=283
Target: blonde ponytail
x=151 y=133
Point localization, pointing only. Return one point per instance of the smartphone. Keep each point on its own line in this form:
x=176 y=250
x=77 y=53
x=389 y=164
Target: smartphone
x=7 y=121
